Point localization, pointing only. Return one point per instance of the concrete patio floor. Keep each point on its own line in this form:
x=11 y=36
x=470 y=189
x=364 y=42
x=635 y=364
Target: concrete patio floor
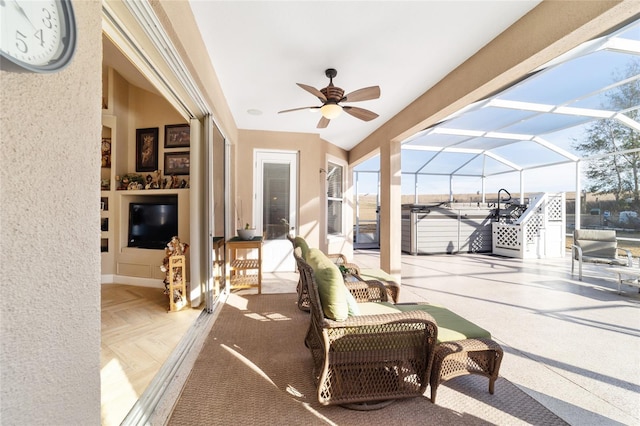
x=573 y=346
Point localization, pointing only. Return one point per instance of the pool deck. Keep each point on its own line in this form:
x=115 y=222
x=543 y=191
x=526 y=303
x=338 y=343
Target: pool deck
x=572 y=345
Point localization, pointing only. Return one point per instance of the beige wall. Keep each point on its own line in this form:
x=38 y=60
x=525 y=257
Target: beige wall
x=313 y=153
x=49 y=172
x=130 y=108
x=146 y=110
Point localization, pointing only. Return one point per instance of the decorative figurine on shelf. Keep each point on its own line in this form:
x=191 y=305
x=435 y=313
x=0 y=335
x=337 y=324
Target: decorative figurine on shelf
x=124 y=183
x=174 y=248
x=157 y=180
x=132 y=181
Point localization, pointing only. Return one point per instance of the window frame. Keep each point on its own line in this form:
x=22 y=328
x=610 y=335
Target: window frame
x=330 y=163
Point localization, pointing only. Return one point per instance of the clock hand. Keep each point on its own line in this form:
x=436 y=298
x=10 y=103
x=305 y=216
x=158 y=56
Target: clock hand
x=21 y=10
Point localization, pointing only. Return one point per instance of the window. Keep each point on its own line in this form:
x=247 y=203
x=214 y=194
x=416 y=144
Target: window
x=334 y=199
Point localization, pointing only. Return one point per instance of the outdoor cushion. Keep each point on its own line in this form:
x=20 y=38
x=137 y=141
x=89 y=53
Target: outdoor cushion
x=605 y=260
x=598 y=248
x=304 y=247
x=375 y=274
x=451 y=326
x=331 y=288
x=596 y=243
x=352 y=304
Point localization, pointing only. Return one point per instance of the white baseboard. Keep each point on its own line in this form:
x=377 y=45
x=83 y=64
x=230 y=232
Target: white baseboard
x=107 y=279
x=137 y=281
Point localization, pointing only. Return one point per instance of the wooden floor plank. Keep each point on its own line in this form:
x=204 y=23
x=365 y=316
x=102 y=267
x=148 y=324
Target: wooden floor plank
x=138 y=335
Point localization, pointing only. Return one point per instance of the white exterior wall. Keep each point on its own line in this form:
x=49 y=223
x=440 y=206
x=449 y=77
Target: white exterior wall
x=49 y=226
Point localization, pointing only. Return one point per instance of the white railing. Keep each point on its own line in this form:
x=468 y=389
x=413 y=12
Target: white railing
x=538 y=233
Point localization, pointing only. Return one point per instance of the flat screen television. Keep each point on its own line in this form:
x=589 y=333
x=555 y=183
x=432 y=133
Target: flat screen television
x=152 y=225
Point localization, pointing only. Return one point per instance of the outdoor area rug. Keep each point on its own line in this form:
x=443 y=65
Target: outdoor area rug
x=255 y=370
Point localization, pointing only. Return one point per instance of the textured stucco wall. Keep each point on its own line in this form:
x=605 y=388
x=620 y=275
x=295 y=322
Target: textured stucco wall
x=49 y=226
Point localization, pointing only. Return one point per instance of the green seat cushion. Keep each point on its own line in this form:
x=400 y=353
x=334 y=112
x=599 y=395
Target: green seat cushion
x=451 y=326
x=331 y=288
x=304 y=247
x=375 y=274
x=377 y=308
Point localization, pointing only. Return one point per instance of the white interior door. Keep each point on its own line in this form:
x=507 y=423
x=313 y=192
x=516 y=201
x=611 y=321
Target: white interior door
x=276 y=188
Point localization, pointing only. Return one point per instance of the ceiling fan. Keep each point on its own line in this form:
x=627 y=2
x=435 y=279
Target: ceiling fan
x=331 y=97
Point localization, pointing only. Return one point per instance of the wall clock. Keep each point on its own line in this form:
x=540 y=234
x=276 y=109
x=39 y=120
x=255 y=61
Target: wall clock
x=36 y=36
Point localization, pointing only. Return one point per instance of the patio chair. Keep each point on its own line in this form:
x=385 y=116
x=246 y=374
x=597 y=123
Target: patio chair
x=597 y=246
x=362 y=362
x=462 y=347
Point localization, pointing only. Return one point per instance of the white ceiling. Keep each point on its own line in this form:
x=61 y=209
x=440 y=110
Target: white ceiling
x=260 y=49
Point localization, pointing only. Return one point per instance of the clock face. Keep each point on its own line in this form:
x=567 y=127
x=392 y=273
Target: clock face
x=36 y=36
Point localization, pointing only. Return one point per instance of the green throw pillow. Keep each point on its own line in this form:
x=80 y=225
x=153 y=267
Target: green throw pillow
x=304 y=247
x=352 y=304
x=331 y=288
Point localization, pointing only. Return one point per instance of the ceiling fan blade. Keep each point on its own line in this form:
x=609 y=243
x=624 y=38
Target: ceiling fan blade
x=324 y=122
x=361 y=113
x=363 y=94
x=315 y=92
x=298 y=109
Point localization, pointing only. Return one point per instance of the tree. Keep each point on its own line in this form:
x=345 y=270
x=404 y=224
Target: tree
x=616 y=174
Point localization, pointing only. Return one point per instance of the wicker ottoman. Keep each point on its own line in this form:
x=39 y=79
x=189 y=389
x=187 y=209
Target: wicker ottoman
x=470 y=356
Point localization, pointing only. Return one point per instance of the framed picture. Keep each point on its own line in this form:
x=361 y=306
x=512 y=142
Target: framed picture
x=176 y=163
x=147 y=150
x=177 y=136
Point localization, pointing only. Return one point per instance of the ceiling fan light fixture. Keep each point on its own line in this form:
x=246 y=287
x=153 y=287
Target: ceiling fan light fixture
x=331 y=98
x=330 y=111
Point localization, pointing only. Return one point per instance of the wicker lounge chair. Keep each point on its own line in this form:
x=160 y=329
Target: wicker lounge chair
x=393 y=289
x=462 y=348
x=366 y=362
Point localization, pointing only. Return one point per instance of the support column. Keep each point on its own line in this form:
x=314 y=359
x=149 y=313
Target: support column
x=390 y=208
x=451 y=188
x=521 y=186
x=578 y=203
